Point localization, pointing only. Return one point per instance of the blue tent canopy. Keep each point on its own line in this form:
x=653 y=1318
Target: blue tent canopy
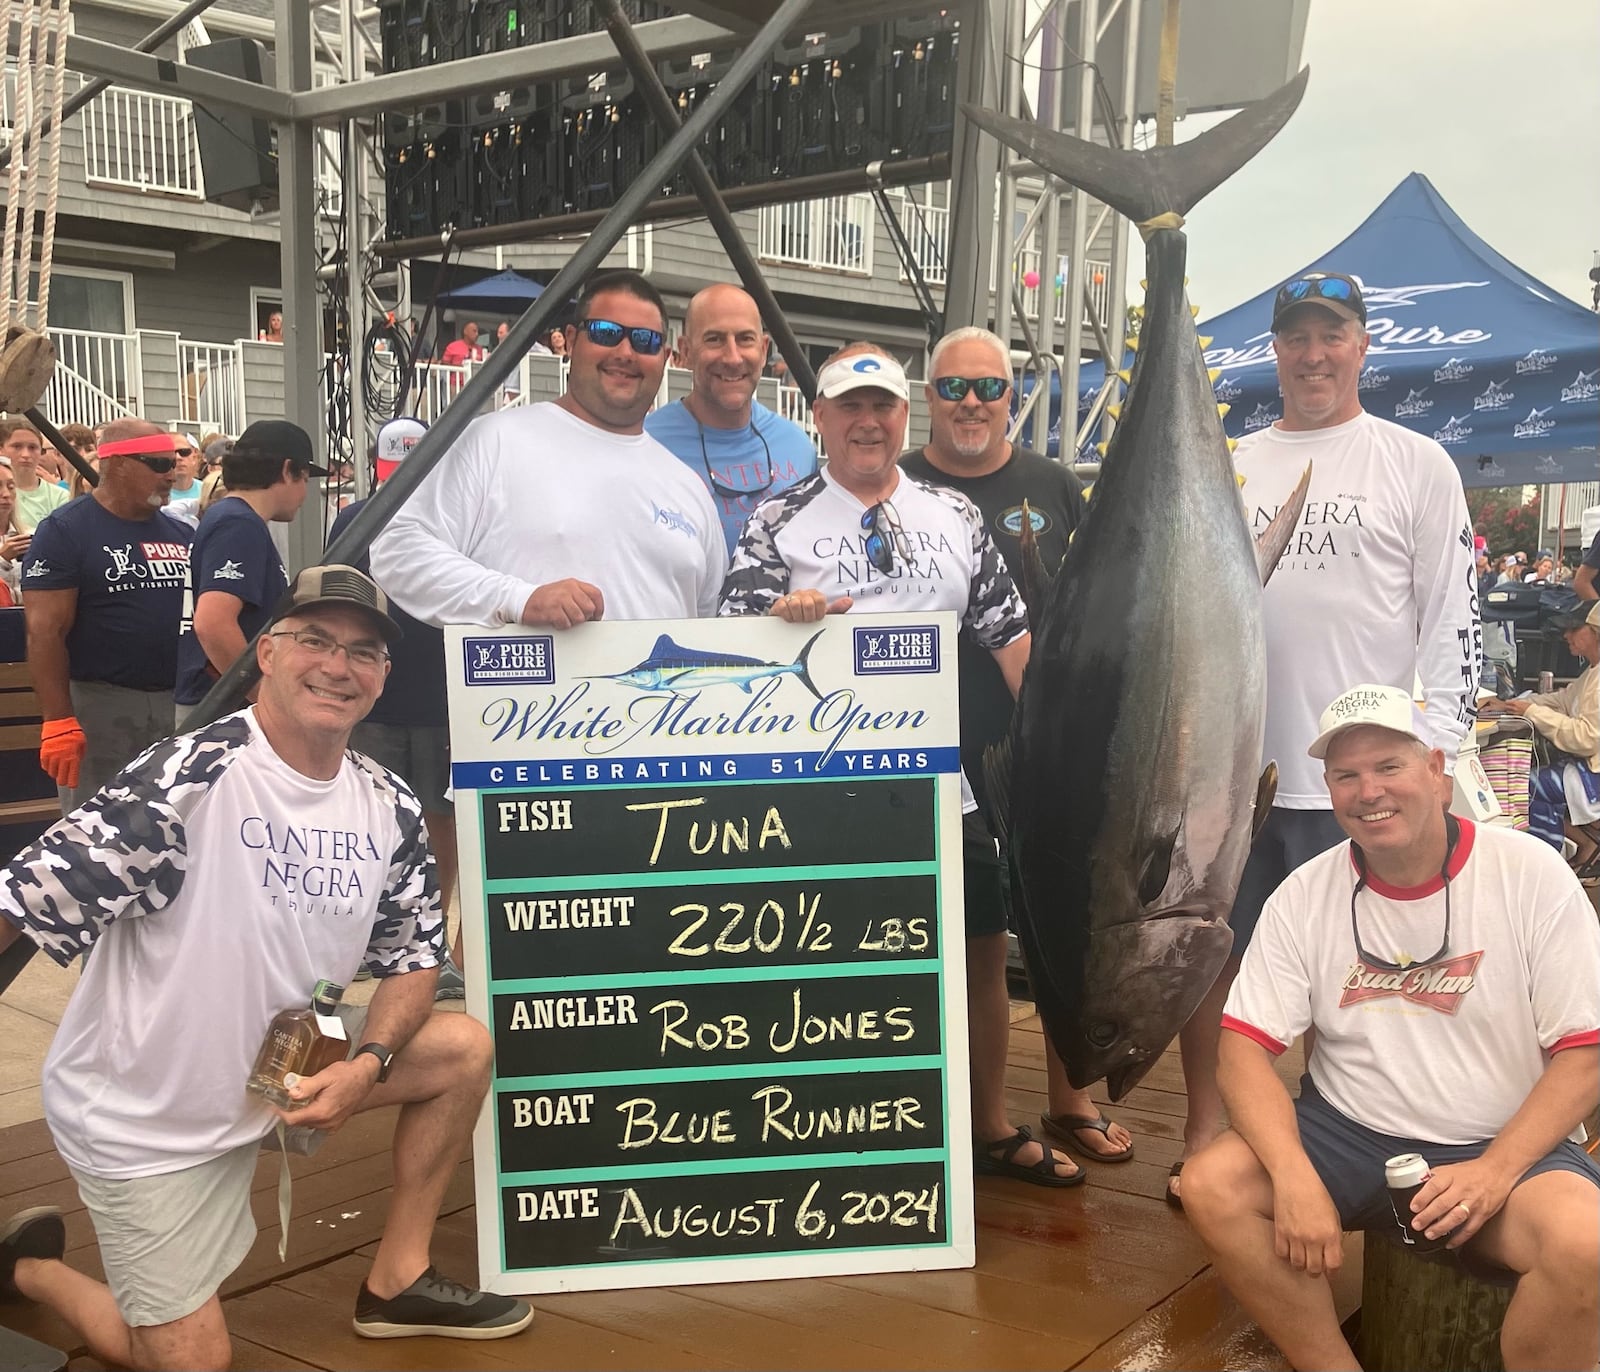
x=1466 y=347
x=506 y=292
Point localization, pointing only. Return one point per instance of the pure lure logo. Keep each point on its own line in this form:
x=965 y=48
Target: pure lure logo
x=1453 y=371
x=1414 y=404
x=1537 y=360
x=1373 y=378
x=1263 y=418
x=1496 y=396
x=1536 y=425
x=1227 y=390
x=1584 y=387
x=1454 y=431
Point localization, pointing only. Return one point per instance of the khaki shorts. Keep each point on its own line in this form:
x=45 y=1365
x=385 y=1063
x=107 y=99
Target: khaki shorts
x=169 y=1242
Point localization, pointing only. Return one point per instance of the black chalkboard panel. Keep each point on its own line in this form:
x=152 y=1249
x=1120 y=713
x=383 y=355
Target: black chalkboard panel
x=770 y=1116
x=723 y=1214
x=538 y=834
x=702 y=1024
x=591 y=929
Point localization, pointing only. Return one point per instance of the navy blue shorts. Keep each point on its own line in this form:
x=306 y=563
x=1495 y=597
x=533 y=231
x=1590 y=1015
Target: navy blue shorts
x=1349 y=1159
x=1288 y=839
x=983 y=878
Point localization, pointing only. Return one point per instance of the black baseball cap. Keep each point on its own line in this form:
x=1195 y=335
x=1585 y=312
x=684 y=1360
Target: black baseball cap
x=1333 y=291
x=338 y=584
x=281 y=439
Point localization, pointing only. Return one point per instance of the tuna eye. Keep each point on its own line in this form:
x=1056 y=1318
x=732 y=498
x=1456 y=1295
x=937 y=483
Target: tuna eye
x=1102 y=1034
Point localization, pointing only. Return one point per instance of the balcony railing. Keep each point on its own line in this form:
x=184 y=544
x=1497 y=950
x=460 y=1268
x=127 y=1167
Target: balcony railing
x=1099 y=286
x=833 y=234
x=927 y=229
x=142 y=142
x=212 y=387
x=97 y=377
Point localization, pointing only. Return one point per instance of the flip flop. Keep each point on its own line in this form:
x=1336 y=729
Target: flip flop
x=1172 y=1197
x=1061 y=1127
x=1041 y=1173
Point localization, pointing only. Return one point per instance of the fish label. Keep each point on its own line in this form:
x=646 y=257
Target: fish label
x=911 y=648
x=510 y=661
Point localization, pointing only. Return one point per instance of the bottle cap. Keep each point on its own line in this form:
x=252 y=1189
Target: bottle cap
x=326 y=995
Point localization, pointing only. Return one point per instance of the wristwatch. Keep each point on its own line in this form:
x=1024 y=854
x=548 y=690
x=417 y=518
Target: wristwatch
x=384 y=1056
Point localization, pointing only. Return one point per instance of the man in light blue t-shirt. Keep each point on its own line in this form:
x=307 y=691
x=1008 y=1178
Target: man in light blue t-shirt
x=743 y=451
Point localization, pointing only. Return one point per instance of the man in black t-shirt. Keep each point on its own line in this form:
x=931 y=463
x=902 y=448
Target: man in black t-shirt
x=104 y=579
x=1583 y=580
x=968 y=394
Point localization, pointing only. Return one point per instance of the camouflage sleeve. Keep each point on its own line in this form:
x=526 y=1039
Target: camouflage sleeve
x=757 y=575
x=408 y=929
x=995 y=612
x=121 y=853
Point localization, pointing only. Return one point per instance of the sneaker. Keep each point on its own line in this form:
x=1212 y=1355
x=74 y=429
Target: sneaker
x=450 y=986
x=433 y=1304
x=36 y=1233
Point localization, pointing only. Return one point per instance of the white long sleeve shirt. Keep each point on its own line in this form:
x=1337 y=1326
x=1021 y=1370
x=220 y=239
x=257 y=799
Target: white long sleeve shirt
x=534 y=495
x=1376 y=585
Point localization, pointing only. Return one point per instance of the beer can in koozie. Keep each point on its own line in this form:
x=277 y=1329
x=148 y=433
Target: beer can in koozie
x=1404 y=1177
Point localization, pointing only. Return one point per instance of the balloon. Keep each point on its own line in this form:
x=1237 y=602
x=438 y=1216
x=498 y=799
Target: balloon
x=1099 y=278
x=1060 y=281
x=1030 y=279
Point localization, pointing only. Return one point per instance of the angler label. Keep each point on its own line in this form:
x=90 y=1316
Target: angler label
x=711 y=895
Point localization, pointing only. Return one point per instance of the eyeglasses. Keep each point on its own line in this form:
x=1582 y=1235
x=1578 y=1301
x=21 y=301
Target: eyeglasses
x=318 y=644
x=987 y=388
x=1316 y=288
x=884 y=536
x=733 y=492
x=607 y=333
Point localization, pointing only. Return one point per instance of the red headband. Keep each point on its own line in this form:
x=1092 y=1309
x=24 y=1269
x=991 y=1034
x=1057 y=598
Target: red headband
x=149 y=443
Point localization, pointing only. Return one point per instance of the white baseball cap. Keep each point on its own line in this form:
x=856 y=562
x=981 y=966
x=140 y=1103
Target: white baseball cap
x=1387 y=707
x=863 y=369
x=395 y=439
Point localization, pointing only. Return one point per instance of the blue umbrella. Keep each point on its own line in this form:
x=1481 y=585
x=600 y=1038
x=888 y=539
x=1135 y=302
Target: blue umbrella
x=507 y=292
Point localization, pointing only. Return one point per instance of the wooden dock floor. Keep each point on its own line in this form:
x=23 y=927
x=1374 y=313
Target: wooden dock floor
x=1101 y=1276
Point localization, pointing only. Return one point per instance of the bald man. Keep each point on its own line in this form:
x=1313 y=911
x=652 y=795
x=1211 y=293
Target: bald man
x=104 y=581
x=741 y=450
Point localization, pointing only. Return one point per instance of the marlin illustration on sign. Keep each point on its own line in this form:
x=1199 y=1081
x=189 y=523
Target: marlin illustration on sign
x=672 y=667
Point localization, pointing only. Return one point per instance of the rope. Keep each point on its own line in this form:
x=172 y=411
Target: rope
x=1169 y=219
x=53 y=103
x=8 y=249
x=28 y=63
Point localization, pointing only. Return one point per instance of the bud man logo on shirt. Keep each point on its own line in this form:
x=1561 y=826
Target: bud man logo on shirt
x=1435 y=985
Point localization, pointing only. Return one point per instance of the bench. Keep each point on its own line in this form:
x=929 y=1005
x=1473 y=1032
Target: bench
x=1422 y=1313
x=29 y=799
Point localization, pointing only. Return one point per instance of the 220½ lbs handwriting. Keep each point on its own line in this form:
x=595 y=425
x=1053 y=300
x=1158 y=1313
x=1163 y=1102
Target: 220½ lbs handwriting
x=767 y=929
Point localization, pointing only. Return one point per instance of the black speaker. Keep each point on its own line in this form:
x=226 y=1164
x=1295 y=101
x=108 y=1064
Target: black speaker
x=238 y=154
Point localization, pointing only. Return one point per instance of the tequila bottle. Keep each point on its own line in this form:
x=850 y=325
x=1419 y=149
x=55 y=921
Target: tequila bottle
x=299 y=1043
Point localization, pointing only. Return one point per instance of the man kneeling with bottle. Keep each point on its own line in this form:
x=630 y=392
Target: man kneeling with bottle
x=1452 y=974
x=227 y=880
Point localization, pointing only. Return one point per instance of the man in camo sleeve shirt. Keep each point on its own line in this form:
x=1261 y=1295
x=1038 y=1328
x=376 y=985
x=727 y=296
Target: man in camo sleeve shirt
x=218 y=878
x=865 y=537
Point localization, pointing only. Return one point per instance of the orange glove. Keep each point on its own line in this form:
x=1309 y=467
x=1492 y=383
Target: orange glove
x=61 y=750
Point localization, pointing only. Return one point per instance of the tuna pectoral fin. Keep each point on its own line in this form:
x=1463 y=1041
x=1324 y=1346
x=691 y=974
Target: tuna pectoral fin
x=1275 y=537
x=1036 y=577
x=1266 y=793
x=1157 y=180
x=997 y=781
x=1157 y=868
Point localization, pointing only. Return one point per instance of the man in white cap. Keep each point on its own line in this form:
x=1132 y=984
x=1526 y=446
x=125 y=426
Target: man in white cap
x=408 y=729
x=1452 y=972
x=865 y=536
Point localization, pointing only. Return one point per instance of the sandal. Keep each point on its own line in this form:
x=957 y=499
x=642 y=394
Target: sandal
x=1172 y=1197
x=998 y=1159
x=1063 y=1129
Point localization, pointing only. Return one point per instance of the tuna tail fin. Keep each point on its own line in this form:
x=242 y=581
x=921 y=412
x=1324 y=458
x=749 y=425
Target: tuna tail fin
x=1157 y=181
x=1275 y=537
x=1036 y=576
x=800 y=663
x=1266 y=793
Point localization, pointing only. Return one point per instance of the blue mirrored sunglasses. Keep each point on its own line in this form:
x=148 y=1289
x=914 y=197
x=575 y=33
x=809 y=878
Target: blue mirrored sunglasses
x=607 y=333
x=1316 y=288
x=987 y=388
x=881 y=523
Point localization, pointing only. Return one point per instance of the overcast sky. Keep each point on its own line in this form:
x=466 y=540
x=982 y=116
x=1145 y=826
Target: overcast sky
x=1497 y=103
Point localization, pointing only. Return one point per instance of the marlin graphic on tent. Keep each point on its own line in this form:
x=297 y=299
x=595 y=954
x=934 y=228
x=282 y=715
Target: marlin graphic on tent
x=673 y=667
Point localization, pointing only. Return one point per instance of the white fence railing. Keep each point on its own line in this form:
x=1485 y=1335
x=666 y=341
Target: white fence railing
x=143 y=142
x=927 y=230
x=211 y=388
x=792 y=406
x=1099 y=285
x=832 y=234
x=1579 y=496
x=98 y=377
